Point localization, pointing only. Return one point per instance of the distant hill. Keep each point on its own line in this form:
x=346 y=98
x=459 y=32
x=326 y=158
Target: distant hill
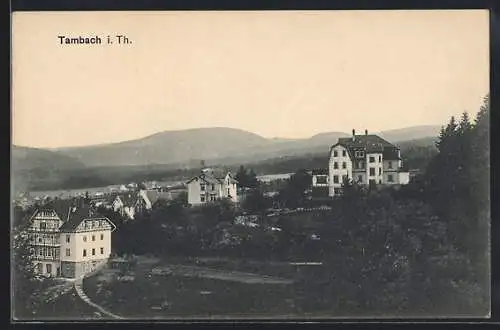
x=187 y=148
x=169 y=147
x=411 y=133
x=31 y=165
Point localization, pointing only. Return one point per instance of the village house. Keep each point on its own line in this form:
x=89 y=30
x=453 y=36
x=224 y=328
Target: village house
x=210 y=186
x=365 y=160
x=124 y=204
x=129 y=204
x=146 y=199
x=69 y=240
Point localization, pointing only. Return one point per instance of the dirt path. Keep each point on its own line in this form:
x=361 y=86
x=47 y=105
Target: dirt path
x=86 y=299
x=235 y=276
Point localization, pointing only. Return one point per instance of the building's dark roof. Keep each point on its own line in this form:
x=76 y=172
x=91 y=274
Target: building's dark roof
x=154 y=195
x=214 y=176
x=390 y=153
x=370 y=143
x=320 y=171
x=128 y=199
x=60 y=206
x=77 y=215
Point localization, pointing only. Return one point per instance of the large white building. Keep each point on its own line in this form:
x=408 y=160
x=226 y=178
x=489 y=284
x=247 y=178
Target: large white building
x=210 y=186
x=364 y=160
x=69 y=241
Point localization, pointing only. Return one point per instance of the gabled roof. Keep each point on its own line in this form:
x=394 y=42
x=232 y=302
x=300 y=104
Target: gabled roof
x=77 y=215
x=155 y=195
x=60 y=206
x=127 y=199
x=205 y=177
x=213 y=177
x=369 y=143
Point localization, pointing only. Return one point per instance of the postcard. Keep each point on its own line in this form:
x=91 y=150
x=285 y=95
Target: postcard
x=250 y=165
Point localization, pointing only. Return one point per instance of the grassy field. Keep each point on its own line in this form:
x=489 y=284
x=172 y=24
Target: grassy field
x=174 y=296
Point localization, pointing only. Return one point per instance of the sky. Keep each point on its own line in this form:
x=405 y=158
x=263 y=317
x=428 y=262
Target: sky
x=277 y=74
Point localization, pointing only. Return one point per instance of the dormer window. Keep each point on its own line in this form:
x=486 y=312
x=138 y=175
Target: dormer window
x=202 y=187
x=335 y=154
x=359 y=154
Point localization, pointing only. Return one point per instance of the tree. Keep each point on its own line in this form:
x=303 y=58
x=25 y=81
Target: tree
x=252 y=181
x=27 y=286
x=256 y=202
x=247 y=179
x=294 y=192
x=241 y=176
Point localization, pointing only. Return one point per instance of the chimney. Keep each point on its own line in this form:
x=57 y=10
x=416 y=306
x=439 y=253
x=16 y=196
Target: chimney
x=366 y=132
x=353 y=134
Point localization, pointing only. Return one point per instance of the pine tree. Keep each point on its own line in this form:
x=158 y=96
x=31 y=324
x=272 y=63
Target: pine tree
x=242 y=176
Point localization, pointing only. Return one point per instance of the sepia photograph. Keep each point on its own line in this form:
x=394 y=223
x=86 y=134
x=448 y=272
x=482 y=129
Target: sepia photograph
x=250 y=165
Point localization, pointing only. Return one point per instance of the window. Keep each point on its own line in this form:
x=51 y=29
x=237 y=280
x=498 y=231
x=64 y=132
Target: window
x=40 y=240
x=344 y=165
x=321 y=179
x=343 y=153
x=335 y=154
x=372 y=171
x=360 y=178
x=335 y=165
x=84 y=252
x=359 y=154
x=202 y=198
x=202 y=187
x=380 y=159
x=102 y=250
x=49 y=253
x=380 y=171
x=49 y=268
x=43 y=225
x=93 y=238
x=67 y=238
x=389 y=165
x=84 y=238
x=390 y=178
x=68 y=252
x=213 y=187
x=93 y=252
x=40 y=252
x=102 y=237
x=228 y=193
x=372 y=159
x=335 y=179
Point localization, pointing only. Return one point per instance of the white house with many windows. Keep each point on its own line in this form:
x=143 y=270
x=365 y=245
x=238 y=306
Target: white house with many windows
x=210 y=186
x=69 y=241
x=363 y=159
